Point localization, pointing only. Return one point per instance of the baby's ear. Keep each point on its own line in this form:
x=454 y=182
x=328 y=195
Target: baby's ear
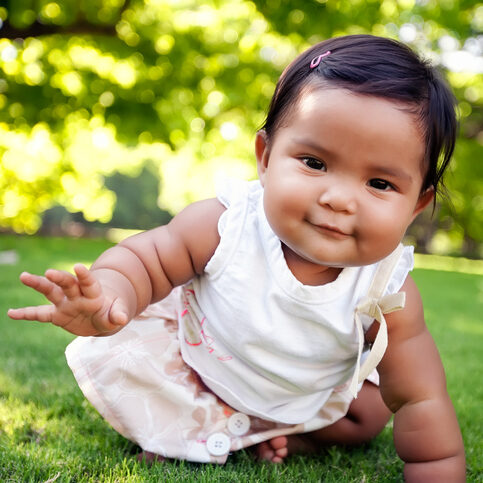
x=262 y=153
x=424 y=199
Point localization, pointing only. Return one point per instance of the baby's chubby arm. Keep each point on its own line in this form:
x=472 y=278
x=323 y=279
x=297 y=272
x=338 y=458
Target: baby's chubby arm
x=158 y=260
x=125 y=279
x=413 y=385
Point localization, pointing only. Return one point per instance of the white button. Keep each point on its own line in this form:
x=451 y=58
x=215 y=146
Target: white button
x=238 y=424
x=218 y=444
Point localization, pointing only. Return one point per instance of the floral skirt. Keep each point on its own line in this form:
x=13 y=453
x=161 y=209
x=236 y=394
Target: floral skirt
x=142 y=387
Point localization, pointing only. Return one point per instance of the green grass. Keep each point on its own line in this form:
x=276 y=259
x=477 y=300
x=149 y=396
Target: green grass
x=49 y=432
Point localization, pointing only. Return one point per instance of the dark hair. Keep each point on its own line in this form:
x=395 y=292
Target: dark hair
x=379 y=67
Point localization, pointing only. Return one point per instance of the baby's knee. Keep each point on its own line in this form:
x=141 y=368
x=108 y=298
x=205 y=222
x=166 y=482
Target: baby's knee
x=369 y=413
x=368 y=428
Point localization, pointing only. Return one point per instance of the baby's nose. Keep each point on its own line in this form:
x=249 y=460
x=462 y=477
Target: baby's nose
x=338 y=198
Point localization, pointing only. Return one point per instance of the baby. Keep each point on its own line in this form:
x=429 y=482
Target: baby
x=260 y=317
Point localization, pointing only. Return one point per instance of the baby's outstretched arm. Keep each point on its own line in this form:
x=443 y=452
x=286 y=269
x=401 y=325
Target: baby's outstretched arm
x=126 y=278
x=426 y=432
x=78 y=303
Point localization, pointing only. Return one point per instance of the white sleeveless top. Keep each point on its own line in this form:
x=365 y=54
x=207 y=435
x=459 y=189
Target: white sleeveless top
x=265 y=343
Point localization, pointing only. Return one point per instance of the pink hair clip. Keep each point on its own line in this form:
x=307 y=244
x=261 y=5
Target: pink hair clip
x=316 y=60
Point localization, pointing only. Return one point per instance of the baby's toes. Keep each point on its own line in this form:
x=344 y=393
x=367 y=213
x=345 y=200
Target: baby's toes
x=279 y=447
x=264 y=451
x=278 y=443
x=281 y=453
x=274 y=450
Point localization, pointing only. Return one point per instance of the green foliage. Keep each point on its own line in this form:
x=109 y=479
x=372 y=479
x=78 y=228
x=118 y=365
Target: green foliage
x=99 y=87
x=49 y=432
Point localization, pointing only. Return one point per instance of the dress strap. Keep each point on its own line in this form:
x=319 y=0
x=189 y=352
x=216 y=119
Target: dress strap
x=375 y=305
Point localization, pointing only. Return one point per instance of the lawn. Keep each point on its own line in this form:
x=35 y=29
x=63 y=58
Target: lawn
x=48 y=432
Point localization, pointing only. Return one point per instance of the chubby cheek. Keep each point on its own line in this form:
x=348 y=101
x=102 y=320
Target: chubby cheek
x=283 y=211
x=275 y=209
x=382 y=229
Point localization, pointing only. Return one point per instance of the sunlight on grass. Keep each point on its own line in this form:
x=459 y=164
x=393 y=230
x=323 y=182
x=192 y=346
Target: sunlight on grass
x=467 y=326
x=22 y=421
x=448 y=264
x=19 y=420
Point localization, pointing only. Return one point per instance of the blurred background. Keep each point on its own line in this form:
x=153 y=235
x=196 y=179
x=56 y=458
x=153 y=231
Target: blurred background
x=117 y=113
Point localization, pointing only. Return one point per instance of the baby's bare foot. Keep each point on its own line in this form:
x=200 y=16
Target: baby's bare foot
x=274 y=450
x=277 y=449
x=149 y=458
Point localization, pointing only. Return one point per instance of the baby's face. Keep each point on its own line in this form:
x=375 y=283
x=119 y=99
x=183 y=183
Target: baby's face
x=342 y=179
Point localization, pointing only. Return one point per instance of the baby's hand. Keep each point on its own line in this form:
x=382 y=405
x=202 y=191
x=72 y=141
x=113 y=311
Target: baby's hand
x=80 y=305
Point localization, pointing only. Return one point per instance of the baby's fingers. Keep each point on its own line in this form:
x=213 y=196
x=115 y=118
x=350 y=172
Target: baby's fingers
x=66 y=281
x=118 y=315
x=113 y=320
x=51 y=292
x=88 y=284
x=41 y=313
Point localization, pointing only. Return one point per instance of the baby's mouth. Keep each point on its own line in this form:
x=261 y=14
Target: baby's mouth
x=331 y=230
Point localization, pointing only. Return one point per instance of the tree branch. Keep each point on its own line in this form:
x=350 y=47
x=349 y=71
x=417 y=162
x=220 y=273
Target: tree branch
x=38 y=29
x=80 y=26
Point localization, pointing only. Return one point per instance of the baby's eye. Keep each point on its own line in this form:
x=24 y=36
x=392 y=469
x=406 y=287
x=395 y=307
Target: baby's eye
x=313 y=163
x=380 y=184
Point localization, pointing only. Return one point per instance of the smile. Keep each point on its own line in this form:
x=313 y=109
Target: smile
x=331 y=231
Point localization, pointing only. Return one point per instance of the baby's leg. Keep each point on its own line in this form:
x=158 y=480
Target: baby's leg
x=365 y=419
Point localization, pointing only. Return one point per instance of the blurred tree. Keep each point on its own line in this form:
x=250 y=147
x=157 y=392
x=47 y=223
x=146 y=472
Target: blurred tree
x=93 y=88
x=135 y=208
